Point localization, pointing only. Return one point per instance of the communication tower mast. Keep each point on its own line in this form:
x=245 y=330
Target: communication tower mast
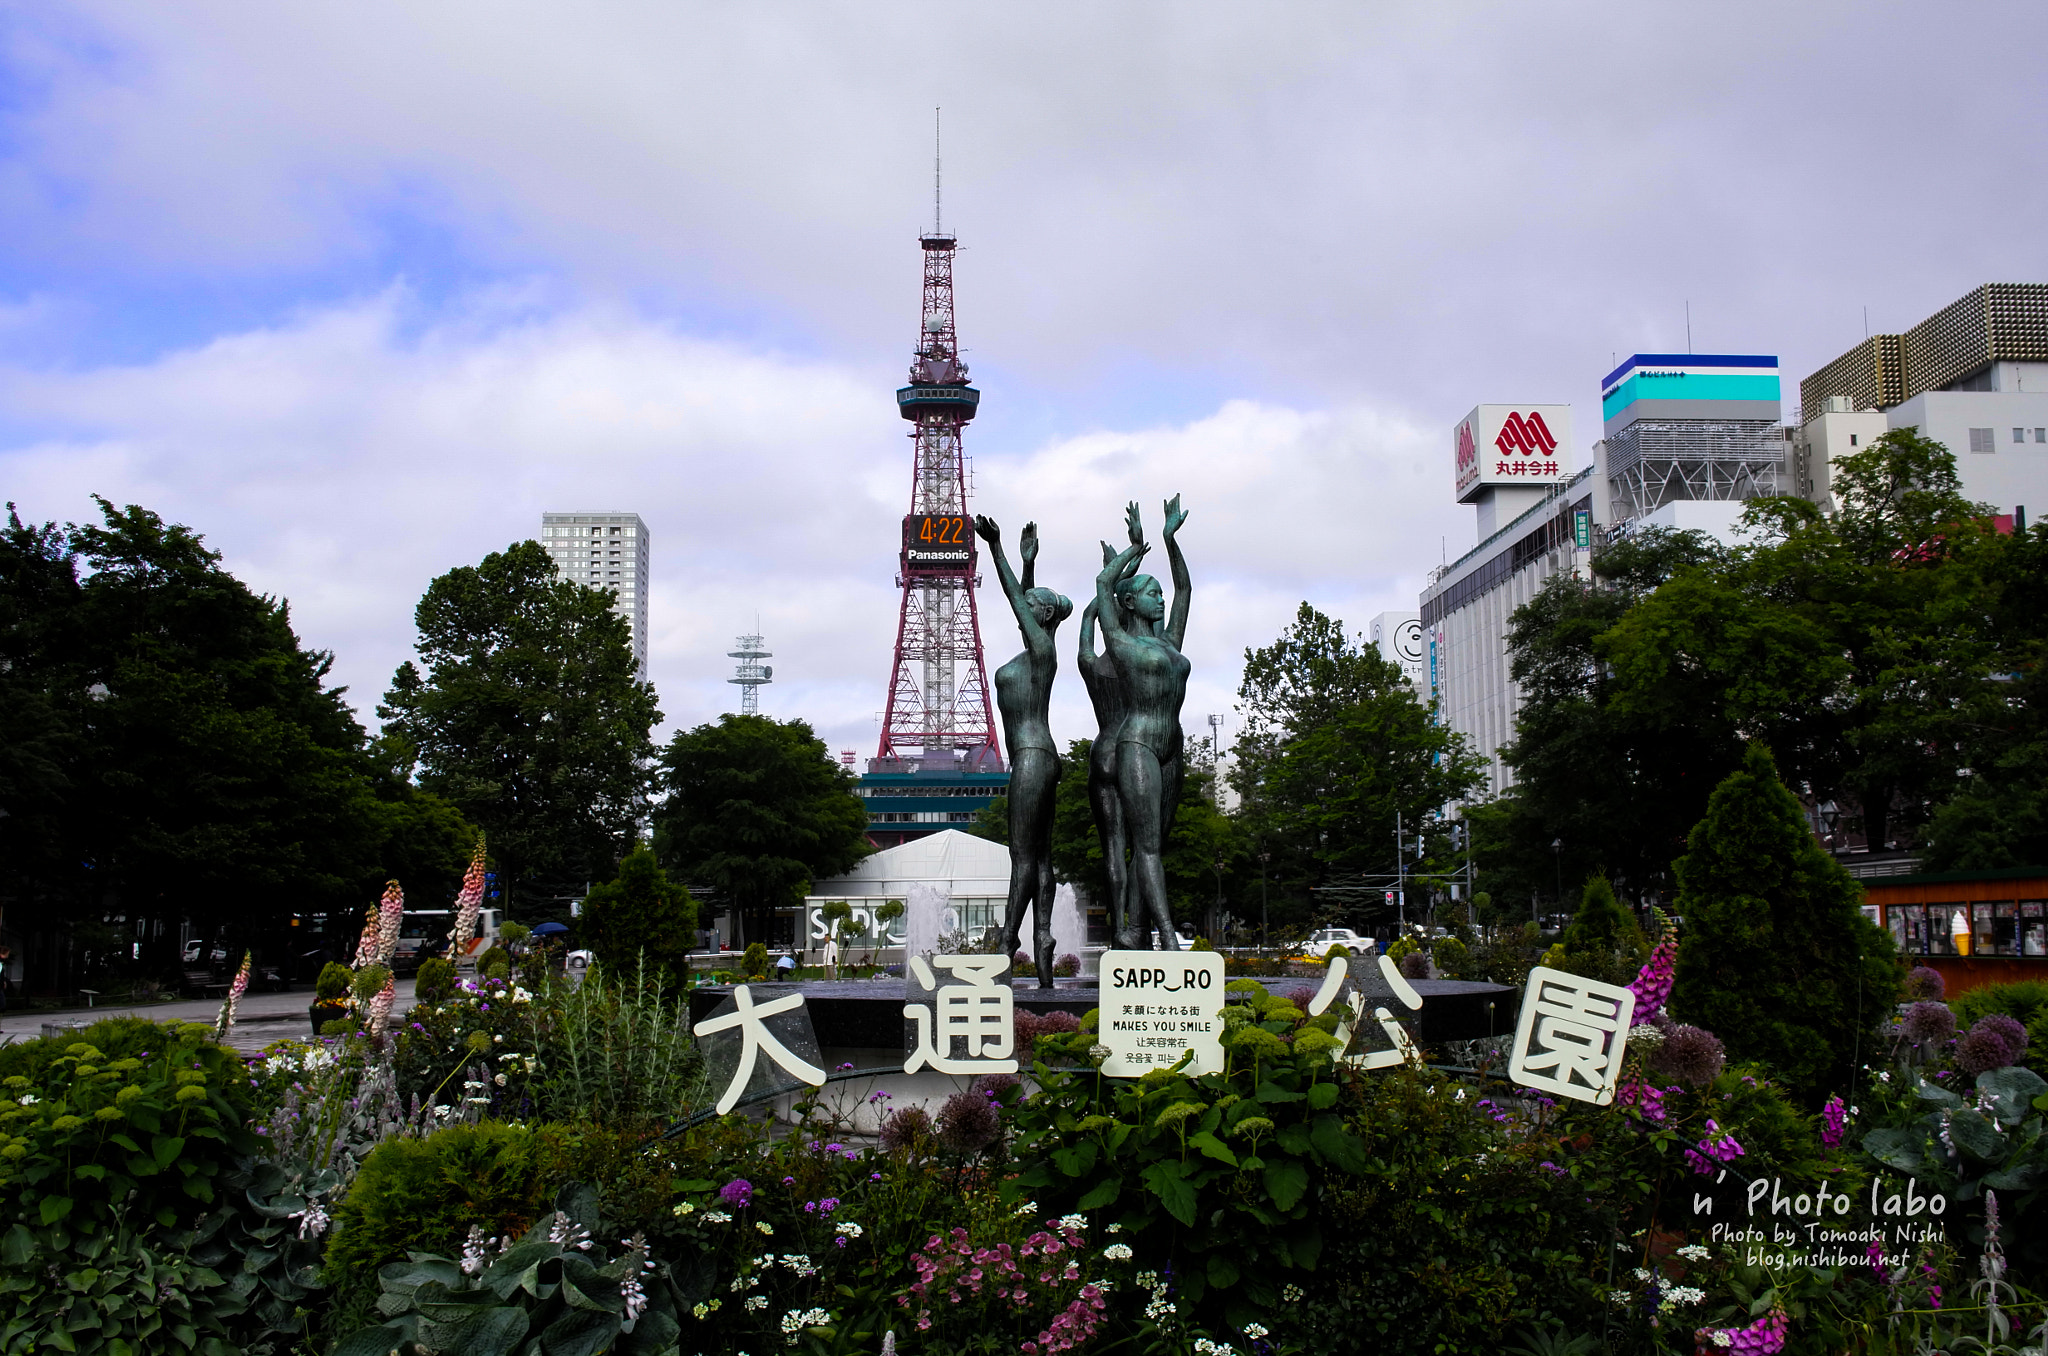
x=751 y=672
x=938 y=690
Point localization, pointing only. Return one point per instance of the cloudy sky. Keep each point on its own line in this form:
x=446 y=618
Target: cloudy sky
x=359 y=290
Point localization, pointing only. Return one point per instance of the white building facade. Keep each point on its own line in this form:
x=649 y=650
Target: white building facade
x=605 y=551
x=1973 y=376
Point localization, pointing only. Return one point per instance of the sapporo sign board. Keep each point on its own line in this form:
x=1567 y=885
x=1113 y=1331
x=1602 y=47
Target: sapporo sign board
x=1160 y=1006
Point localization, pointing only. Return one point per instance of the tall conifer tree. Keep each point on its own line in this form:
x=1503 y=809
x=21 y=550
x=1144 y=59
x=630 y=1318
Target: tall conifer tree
x=1777 y=958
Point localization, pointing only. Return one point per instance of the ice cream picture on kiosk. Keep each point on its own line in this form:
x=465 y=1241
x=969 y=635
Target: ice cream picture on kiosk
x=1959 y=933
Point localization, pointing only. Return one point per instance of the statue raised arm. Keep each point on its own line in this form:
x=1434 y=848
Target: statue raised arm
x=1023 y=696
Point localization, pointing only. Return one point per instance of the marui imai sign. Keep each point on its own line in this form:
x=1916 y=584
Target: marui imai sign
x=1158 y=1006
x=1512 y=445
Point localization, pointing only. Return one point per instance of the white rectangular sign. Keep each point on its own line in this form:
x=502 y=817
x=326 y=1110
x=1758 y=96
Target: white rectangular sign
x=1572 y=1036
x=1157 y=1006
x=1512 y=445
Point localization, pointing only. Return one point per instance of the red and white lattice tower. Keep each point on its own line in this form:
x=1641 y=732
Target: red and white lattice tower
x=938 y=691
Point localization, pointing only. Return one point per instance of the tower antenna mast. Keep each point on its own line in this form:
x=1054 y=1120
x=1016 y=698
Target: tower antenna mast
x=938 y=219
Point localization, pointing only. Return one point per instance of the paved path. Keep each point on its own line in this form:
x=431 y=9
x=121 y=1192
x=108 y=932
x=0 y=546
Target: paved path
x=260 y=1018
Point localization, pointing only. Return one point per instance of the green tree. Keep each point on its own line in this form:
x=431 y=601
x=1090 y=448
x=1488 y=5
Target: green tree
x=168 y=748
x=1335 y=751
x=992 y=821
x=1601 y=925
x=1777 y=958
x=757 y=809
x=641 y=915
x=529 y=719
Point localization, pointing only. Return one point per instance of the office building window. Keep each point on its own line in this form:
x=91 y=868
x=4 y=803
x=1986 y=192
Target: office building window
x=1852 y=440
x=2019 y=435
x=1980 y=440
x=2041 y=435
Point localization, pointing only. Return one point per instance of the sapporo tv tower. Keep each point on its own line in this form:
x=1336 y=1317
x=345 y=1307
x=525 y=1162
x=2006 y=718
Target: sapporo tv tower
x=938 y=717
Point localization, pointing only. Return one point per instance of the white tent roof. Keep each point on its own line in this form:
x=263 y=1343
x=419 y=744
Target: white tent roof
x=959 y=862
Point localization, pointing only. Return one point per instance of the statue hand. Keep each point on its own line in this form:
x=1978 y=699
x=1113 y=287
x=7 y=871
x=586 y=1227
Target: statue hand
x=1108 y=553
x=1175 y=515
x=1027 y=544
x=985 y=528
x=1135 y=524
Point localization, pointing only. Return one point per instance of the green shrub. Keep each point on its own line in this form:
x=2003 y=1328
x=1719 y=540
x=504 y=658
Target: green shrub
x=333 y=981
x=423 y=1194
x=513 y=933
x=109 y=1293
x=91 y=1137
x=754 y=960
x=435 y=982
x=496 y=962
x=1452 y=957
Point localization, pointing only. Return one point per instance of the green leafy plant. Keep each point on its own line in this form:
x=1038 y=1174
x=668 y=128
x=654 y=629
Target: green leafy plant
x=1209 y=1171
x=495 y=963
x=333 y=983
x=616 y=1051
x=553 y=1290
x=87 y=1141
x=754 y=960
x=107 y=1293
x=435 y=982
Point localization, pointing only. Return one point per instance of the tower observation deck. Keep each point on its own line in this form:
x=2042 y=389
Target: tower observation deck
x=938 y=717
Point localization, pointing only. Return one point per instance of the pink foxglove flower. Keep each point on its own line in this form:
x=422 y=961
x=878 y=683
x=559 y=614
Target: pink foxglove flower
x=1834 y=1117
x=234 y=998
x=1652 y=986
x=390 y=913
x=380 y=1009
x=366 y=945
x=468 y=903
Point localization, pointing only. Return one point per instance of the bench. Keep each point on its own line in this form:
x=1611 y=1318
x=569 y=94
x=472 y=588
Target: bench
x=88 y=995
x=204 y=982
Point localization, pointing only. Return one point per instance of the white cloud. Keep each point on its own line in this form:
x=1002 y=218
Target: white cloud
x=344 y=459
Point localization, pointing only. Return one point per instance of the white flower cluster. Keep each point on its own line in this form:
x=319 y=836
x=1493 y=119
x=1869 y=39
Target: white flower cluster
x=755 y=1302
x=717 y=1217
x=1681 y=1294
x=1028 y=1208
x=1255 y=1331
x=635 y=1298
x=1078 y=1223
x=684 y=1209
x=312 y=1220
x=800 y=1263
x=795 y=1321
x=1291 y=1293
x=568 y=1233
x=1620 y=1297
x=1118 y=1252
x=764 y=1226
x=1159 y=1307
x=1721 y=1337
x=848 y=1228
x=1645 y=1037
x=1693 y=1252
x=473 y=1251
x=1207 y=1348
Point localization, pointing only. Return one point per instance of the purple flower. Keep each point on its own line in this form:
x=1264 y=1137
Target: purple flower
x=1994 y=1042
x=1833 y=1115
x=1652 y=986
x=1924 y=981
x=738 y=1193
x=1928 y=1023
x=1710 y=1152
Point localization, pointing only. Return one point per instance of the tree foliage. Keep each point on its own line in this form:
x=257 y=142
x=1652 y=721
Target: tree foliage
x=1335 y=745
x=169 y=749
x=756 y=810
x=641 y=915
x=529 y=719
x=1853 y=643
x=1777 y=958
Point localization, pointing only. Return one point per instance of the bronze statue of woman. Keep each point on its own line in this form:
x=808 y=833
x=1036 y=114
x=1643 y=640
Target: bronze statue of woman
x=1105 y=693
x=1023 y=694
x=1144 y=644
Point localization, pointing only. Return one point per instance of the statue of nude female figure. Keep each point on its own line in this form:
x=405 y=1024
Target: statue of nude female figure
x=1144 y=646
x=1023 y=693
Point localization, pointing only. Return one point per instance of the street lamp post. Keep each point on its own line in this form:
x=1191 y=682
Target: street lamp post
x=1264 y=940
x=1557 y=861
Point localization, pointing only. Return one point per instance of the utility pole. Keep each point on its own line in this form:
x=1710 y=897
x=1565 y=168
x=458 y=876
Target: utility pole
x=1264 y=937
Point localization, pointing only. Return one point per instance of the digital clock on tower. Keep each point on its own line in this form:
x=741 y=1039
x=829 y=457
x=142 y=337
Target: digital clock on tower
x=938 y=542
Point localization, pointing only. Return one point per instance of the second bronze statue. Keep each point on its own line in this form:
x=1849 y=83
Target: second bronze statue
x=1023 y=696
